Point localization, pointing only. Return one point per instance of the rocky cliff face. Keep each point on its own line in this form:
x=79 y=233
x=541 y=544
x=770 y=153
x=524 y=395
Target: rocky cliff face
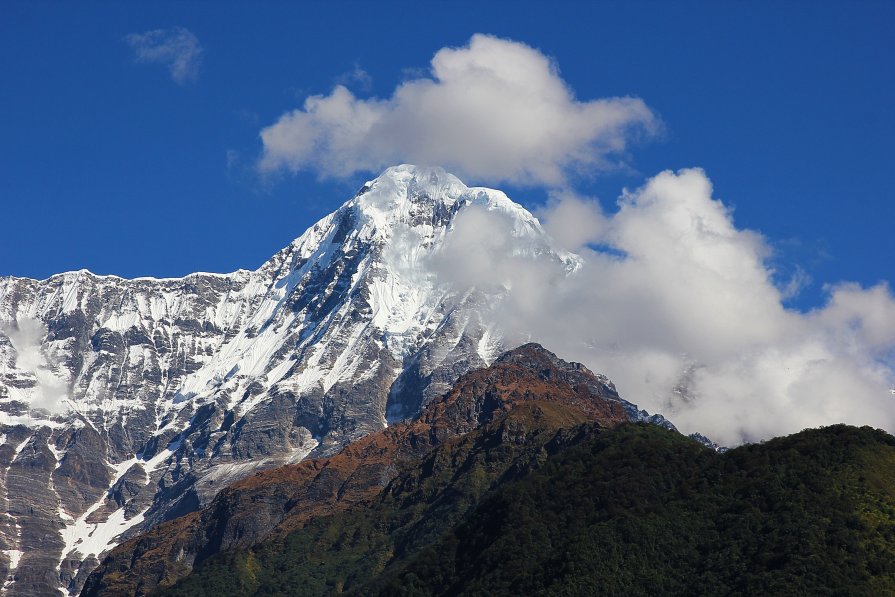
x=124 y=403
x=272 y=503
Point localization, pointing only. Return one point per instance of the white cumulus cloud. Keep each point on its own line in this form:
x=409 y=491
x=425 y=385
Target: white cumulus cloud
x=573 y=221
x=176 y=48
x=494 y=110
x=679 y=307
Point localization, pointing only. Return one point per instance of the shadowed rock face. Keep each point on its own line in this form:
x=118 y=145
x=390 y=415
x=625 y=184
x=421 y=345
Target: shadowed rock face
x=125 y=403
x=270 y=503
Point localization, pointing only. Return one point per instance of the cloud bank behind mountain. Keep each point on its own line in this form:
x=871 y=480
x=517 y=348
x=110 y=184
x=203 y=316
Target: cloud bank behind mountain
x=679 y=307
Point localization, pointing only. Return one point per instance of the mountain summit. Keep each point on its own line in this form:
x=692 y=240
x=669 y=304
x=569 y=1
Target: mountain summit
x=135 y=401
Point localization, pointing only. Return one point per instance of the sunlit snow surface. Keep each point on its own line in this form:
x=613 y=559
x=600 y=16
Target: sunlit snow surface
x=312 y=318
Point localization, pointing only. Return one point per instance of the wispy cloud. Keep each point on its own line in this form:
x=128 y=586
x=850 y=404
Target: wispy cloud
x=356 y=77
x=176 y=48
x=50 y=391
x=680 y=308
x=494 y=110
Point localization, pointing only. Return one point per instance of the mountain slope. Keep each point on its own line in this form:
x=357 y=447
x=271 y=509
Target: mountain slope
x=272 y=503
x=519 y=508
x=135 y=401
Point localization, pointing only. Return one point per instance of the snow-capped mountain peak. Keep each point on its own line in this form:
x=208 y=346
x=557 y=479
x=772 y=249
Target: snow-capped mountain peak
x=167 y=389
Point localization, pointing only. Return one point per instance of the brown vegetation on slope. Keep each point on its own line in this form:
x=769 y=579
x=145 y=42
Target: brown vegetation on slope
x=278 y=500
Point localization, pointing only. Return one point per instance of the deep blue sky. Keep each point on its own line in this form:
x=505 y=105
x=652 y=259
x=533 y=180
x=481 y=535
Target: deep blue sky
x=110 y=165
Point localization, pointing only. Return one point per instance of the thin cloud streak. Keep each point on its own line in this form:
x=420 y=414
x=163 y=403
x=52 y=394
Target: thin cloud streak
x=177 y=48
